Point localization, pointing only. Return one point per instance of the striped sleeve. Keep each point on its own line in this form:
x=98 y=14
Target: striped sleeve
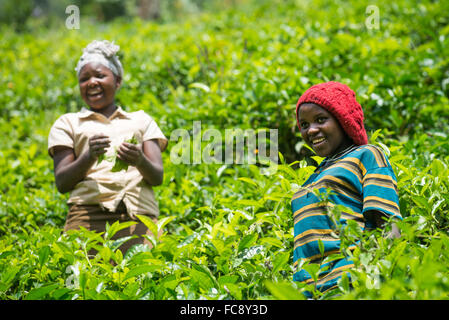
x=380 y=191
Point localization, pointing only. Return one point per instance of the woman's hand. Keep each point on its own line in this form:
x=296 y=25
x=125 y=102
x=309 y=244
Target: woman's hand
x=97 y=145
x=379 y=220
x=69 y=169
x=131 y=153
x=146 y=157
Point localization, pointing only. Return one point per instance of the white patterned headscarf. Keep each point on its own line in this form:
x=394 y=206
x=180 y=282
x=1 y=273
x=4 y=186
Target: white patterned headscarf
x=103 y=52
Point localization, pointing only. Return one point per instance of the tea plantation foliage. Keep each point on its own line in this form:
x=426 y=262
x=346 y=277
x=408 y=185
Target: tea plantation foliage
x=228 y=229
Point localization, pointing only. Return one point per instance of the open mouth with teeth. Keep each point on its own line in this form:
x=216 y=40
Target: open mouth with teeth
x=317 y=141
x=94 y=93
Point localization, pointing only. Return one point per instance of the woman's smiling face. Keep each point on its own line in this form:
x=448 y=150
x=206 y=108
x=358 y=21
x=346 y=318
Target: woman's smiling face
x=98 y=85
x=321 y=130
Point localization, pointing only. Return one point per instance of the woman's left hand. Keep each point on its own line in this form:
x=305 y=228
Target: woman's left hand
x=146 y=157
x=131 y=153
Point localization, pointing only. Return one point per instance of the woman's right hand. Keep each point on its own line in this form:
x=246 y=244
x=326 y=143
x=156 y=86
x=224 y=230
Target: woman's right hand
x=70 y=169
x=97 y=145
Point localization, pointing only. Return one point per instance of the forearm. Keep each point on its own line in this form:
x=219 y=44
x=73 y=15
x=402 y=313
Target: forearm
x=72 y=173
x=152 y=173
x=69 y=169
x=378 y=219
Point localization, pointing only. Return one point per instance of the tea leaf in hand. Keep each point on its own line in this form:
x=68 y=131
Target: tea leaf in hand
x=120 y=165
x=101 y=157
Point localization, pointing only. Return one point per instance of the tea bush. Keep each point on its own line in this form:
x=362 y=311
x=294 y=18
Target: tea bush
x=228 y=228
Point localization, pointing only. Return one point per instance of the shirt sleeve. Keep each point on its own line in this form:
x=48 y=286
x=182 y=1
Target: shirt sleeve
x=380 y=192
x=60 y=135
x=153 y=131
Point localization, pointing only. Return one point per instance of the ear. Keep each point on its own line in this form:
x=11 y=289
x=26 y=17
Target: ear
x=118 y=82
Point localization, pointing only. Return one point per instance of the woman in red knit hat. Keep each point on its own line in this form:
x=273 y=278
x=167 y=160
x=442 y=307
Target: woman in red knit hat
x=354 y=174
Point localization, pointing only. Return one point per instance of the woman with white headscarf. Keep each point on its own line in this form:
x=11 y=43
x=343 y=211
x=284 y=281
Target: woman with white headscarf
x=107 y=158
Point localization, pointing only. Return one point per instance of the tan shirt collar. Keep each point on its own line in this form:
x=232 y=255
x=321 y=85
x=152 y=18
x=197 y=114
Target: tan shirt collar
x=85 y=113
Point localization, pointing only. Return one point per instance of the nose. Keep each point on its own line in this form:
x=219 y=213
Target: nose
x=92 y=82
x=312 y=130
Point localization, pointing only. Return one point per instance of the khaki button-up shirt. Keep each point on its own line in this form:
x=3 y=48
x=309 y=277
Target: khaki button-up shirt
x=101 y=185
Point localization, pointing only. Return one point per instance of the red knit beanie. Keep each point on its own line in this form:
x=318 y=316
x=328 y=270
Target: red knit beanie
x=338 y=99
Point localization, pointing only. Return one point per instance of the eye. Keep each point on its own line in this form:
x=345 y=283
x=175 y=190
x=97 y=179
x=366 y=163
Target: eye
x=321 y=120
x=303 y=125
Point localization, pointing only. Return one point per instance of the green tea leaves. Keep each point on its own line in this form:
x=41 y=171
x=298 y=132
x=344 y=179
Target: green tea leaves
x=44 y=254
x=247 y=241
x=40 y=293
x=119 y=165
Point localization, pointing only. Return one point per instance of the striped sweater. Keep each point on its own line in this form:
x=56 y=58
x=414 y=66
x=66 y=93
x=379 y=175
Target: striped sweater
x=361 y=180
